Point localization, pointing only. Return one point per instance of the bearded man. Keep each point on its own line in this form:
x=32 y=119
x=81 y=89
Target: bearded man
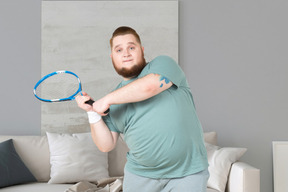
x=154 y=109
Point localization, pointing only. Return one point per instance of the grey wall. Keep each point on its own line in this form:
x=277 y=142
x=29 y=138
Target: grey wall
x=233 y=53
x=20 y=53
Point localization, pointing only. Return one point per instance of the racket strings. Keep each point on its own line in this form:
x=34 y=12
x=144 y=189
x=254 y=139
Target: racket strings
x=61 y=85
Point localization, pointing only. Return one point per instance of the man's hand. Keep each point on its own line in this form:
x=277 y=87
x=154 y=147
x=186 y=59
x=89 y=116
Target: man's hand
x=81 y=99
x=100 y=106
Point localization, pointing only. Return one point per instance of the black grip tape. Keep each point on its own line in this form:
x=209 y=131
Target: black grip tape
x=90 y=102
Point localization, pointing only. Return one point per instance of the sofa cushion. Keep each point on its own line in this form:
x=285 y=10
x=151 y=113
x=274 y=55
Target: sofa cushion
x=208 y=190
x=117 y=158
x=34 y=152
x=210 y=137
x=37 y=187
x=220 y=161
x=75 y=157
x=12 y=169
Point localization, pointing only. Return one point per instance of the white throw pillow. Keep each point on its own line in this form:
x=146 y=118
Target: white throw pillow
x=220 y=161
x=75 y=157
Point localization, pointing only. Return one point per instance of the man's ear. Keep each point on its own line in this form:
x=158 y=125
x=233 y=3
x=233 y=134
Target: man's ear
x=143 y=49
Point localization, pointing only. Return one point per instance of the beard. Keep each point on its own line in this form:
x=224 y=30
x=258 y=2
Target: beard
x=133 y=71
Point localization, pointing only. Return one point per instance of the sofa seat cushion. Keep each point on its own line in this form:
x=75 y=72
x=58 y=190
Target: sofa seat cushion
x=45 y=187
x=37 y=187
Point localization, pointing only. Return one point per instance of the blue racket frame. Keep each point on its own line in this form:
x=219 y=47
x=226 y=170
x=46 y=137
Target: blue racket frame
x=72 y=97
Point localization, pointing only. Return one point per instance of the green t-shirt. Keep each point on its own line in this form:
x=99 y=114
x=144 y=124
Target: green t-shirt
x=163 y=133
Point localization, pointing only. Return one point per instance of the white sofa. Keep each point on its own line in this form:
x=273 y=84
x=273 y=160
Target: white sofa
x=34 y=152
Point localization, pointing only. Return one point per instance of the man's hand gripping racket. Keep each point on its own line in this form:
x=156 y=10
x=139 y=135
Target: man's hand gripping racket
x=59 y=86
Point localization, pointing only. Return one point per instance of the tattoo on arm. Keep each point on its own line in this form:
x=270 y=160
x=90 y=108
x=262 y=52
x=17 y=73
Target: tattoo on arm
x=165 y=80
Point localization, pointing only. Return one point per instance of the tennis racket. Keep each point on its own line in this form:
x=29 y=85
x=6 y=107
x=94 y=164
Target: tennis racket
x=59 y=86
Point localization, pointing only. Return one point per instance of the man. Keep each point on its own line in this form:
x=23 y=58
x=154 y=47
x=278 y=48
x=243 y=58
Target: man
x=153 y=107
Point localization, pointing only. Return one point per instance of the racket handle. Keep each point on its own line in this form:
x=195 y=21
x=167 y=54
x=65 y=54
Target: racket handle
x=90 y=102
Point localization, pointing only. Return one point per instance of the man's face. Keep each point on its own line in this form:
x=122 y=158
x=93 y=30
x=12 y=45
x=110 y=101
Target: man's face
x=127 y=56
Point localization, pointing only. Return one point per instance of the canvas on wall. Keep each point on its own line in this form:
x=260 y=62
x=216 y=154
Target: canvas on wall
x=75 y=37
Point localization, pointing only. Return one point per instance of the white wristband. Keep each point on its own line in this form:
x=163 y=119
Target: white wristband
x=93 y=117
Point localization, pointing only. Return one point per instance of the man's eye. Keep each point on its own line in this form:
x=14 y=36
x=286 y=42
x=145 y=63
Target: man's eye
x=118 y=50
x=132 y=48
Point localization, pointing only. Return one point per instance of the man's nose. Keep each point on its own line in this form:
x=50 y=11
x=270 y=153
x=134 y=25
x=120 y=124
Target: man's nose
x=126 y=52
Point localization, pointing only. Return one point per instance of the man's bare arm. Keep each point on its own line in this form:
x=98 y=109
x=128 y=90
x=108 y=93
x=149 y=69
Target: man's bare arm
x=138 y=90
x=104 y=138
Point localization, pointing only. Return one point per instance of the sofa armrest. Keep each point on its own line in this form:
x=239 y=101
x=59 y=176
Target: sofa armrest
x=243 y=178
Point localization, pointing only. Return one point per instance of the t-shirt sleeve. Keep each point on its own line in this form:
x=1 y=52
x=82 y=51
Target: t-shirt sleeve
x=167 y=67
x=110 y=125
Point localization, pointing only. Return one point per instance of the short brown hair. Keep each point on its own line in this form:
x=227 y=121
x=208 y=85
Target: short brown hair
x=124 y=30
